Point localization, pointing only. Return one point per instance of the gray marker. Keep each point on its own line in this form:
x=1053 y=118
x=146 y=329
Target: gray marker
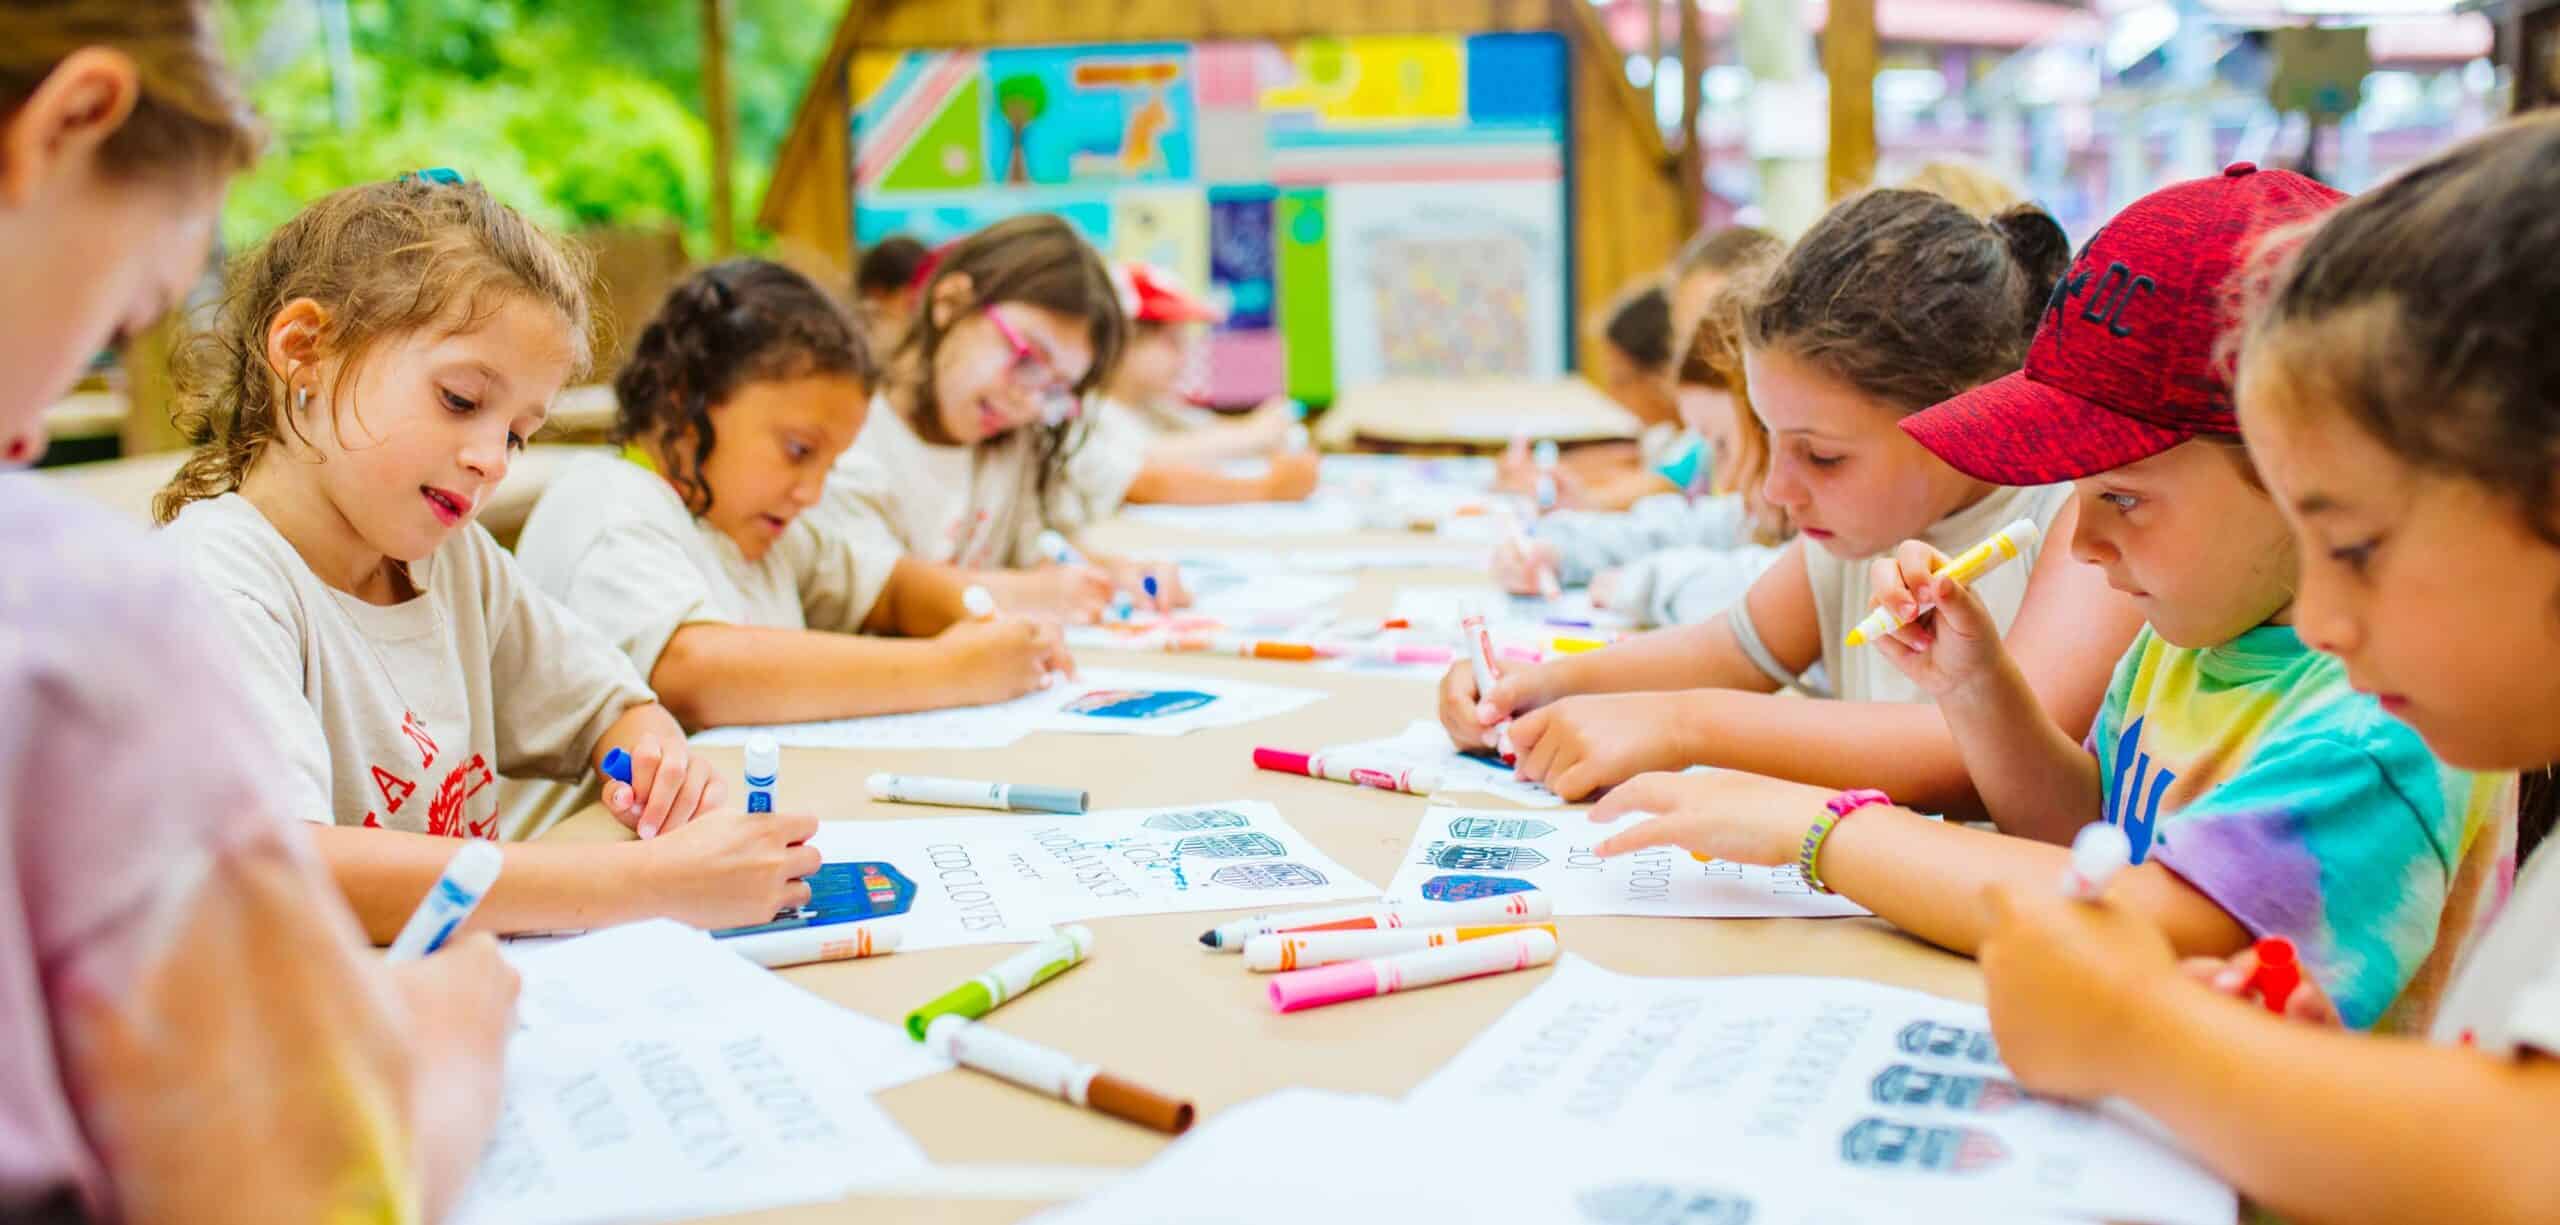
x=967 y=793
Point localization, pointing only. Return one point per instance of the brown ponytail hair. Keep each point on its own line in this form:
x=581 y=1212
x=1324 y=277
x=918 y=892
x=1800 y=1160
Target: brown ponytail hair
x=2422 y=309
x=1909 y=298
x=1038 y=260
x=382 y=260
x=190 y=117
x=727 y=326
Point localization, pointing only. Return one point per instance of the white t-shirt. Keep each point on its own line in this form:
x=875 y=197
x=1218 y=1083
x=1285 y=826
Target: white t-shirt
x=614 y=542
x=1842 y=595
x=395 y=716
x=971 y=506
x=2506 y=993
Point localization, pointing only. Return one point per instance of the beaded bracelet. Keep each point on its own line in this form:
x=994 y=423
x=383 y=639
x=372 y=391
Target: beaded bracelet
x=1834 y=810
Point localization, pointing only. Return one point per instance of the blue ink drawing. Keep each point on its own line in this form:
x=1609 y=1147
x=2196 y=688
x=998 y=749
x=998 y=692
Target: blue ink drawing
x=842 y=893
x=1469 y=857
x=1268 y=876
x=1231 y=846
x=1938 y=1150
x=1947 y=1042
x=1138 y=703
x=1511 y=829
x=1215 y=818
x=1468 y=888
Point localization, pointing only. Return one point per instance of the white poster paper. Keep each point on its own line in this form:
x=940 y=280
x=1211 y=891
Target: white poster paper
x=1461 y=852
x=994 y=880
x=662 y=970
x=655 y=1076
x=1102 y=701
x=1863 y=1085
x=1306 y=1155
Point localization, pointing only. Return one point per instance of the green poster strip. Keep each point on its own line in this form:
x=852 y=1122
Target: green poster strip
x=1306 y=293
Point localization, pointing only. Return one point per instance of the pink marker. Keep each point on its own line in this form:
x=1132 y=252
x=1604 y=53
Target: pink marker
x=1521 y=655
x=1419 y=781
x=1358 y=980
x=1386 y=652
x=1481 y=657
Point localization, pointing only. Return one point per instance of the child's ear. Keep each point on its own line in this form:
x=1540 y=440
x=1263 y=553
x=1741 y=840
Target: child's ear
x=73 y=111
x=293 y=341
x=951 y=296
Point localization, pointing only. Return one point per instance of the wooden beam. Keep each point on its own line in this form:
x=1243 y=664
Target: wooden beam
x=1849 y=59
x=723 y=122
x=1690 y=164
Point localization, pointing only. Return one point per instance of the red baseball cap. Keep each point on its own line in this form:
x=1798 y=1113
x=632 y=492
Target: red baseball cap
x=1152 y=295
x=2122 y=367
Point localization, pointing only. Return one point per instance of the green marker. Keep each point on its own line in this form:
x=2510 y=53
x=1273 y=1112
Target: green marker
x=1065 y=947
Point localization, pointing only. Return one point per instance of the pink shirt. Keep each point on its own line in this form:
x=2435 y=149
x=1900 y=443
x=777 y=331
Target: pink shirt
x=128 y=783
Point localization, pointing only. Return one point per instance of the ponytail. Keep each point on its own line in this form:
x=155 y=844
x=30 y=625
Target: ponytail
x=1909 y=298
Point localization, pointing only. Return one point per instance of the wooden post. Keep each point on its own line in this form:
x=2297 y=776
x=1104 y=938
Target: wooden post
x=723 y=122
x=1849 y=59
x=1691 y=155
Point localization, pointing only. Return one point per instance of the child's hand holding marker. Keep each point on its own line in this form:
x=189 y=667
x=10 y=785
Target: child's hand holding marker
x=1525 y=565
x=1583 y=743
x=655 y=789
x=1001 y=658
x=731 y=869
x=2260 y=974
x=1927 y=621
x=2057 y=970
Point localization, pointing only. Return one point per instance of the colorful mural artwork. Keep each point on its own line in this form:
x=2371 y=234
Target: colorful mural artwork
x=1362 y=207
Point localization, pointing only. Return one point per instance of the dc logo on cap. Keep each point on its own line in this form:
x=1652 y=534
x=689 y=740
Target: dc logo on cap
x=2113 y=294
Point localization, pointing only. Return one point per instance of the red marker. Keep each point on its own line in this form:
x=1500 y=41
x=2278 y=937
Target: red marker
x=1420 y=780
x=2278 y=972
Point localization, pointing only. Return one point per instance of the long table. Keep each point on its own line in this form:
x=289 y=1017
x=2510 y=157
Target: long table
x=1152 y=1005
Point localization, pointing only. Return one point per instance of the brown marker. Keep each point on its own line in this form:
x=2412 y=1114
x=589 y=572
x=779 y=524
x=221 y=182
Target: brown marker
x=1056 y=1073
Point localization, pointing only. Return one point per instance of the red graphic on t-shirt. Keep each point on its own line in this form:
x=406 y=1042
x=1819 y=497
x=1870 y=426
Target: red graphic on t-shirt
x=446 y=817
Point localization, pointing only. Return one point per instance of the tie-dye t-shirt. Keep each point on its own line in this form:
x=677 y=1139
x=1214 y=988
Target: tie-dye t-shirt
x=2257 y=775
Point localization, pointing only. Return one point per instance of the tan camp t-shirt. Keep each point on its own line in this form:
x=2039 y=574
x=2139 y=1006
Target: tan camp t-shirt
x=613 y=541
x=406 y=716
x=971 y=506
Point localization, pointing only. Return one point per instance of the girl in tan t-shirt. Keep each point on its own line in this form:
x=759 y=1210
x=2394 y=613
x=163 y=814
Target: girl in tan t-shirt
x=984 y=440
x=375 y=369
x=691 y=550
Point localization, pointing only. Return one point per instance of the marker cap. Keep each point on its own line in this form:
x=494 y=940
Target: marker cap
x=1281 y=760
x=616 y=766
x=1349 y=980
x=764 y=759
x=1032 y=797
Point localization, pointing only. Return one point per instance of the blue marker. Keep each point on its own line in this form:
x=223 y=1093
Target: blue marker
x=467 y=877
x=764 y=769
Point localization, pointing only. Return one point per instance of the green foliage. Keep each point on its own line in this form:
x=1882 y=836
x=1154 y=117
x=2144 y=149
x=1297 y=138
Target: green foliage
x=1022 y=98
x=579 y=112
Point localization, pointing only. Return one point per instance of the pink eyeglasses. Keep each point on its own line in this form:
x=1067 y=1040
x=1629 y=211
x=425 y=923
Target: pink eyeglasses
x=1033 y=372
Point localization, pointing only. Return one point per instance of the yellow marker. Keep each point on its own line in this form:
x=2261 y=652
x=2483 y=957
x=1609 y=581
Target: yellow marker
x=2003 y=546
x=1576 y=646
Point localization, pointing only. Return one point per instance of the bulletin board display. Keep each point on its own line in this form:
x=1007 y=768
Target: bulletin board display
x=1364 y=208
